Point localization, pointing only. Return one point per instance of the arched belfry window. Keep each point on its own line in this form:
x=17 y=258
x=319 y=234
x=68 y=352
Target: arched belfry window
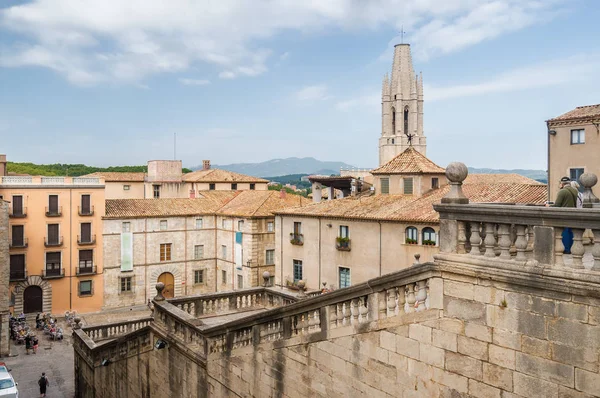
x=406 y=120
x=393 y=121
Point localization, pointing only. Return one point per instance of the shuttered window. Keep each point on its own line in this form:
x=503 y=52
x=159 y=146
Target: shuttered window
x=198 y=252
x=86 y=204
x=53 y=238
x=270 y=257
x=408 y=186
x=165 y=252
x=17 y=202
x=385 y=186
x=53 y=204
x=86 y=258
x=18 y=235
x=53 y=260
x=86 y=232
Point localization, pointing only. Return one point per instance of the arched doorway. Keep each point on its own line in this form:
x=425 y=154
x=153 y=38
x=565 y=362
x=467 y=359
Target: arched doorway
x=32 y=300
x=169 y=281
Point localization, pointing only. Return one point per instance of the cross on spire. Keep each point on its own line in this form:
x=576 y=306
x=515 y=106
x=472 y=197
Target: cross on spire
x=402 y=32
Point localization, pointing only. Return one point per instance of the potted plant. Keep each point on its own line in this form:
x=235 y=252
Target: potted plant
x=342 y=243
x=410 y=241
x=428 y=242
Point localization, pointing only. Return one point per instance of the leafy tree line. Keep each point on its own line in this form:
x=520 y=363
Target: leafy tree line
x=73 y=170
x=279 y=187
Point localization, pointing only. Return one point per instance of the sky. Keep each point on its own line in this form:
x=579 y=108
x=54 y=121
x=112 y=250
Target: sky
x=110 y=82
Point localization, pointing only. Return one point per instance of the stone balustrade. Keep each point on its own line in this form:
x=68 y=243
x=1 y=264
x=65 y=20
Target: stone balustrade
x=522 y=235
x=14 y=181
x=113 y=330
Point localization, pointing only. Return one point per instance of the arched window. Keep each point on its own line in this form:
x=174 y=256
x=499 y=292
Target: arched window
x=406 y=120
x=429 y=236
x=393 y=121
x=412 y=236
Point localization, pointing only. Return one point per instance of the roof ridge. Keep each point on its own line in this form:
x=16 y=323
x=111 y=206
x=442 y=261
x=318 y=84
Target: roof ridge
x=263 y=202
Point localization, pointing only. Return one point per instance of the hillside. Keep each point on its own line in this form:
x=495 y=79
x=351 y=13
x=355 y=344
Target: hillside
x=280 y=167
x=73 y=170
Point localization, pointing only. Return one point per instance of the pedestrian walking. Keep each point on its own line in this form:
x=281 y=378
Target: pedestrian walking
x=43 y=383
x=34 y=341
x=28 y=343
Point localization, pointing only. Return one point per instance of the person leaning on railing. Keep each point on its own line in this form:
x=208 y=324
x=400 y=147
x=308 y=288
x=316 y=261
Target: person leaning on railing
x=567 y=197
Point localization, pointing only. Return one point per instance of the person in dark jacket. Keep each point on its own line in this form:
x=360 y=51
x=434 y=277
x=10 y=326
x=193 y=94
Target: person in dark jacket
x=567 y=197
x=43 y=383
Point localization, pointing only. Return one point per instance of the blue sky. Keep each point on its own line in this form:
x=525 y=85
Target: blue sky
x=109 y=82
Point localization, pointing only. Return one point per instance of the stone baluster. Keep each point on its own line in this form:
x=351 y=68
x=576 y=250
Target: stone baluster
x=462 y=238
x=333 y=316
x=355 y=314
x=346 y=313
x=521 y=243
x=596 y=250
x=410 y=298
x=381 y=304
x=475 y=239
x=421 y=295
x=391 y=302
x=559 y=248
x=530 y=241
x=363 y=310
x=504 y=241
x=490 y=240
x=577 y=250
x=401 y=300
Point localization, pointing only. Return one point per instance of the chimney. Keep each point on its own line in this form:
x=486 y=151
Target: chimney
x=206 y=165
x=282 y=193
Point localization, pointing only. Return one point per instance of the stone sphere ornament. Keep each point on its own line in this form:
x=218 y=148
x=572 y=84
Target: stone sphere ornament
x=266 y=277
x=159 y=289
x=457 y=172
x=588 y=180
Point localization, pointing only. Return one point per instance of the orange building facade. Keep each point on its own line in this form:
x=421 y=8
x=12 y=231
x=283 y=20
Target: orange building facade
x=55 y=243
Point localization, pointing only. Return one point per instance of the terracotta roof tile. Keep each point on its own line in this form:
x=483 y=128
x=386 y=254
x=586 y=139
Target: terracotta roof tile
x=113 y=176
x=581 y=112
x=409 y=161
x=261 y=203
x=218 y=175
x=510 y=178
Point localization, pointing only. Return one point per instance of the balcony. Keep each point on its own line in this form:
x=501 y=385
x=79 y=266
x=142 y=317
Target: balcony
x=17 y=213
x=86 y=240
x=53 y=242
x=18 y=275
x=84 y=212
x=342 y=244
x=296 y=239
x=54 y=212
x=20 y=243
x=51 y=273
x=91 y=270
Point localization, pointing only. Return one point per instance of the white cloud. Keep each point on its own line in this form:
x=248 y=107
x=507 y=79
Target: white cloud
x=572 y=69
x=125 y=41
x=313 y=93
x=370 y=102
x=194 y=82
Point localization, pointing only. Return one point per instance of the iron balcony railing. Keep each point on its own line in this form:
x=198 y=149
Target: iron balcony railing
x=18 y=212
x=86 y=270
x=54 y=273
x=18 y=274
x=16 y=243
x=296 y=239
x=86 y=240
x=48 y=242
x=85 y=211
x=54 y=211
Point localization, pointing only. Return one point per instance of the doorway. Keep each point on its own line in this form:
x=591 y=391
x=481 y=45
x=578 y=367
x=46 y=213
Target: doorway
x=32 y=300
x=169 y=282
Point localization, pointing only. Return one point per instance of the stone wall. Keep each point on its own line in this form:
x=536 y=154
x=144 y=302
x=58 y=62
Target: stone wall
x=4 y=279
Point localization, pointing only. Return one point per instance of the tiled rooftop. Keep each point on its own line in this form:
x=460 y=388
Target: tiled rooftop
x=581 y=112
x=114 y=176
x=482 y=189
x=410 y=161
x=261 y=203
x=218 y=175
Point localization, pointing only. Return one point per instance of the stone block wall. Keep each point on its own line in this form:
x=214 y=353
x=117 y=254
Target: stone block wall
x=4 y=279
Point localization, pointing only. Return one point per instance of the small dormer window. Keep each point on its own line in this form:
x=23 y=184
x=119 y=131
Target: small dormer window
x=408 y=186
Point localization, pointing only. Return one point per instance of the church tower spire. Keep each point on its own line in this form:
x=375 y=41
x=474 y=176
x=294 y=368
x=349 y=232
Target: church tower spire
x=402 y=108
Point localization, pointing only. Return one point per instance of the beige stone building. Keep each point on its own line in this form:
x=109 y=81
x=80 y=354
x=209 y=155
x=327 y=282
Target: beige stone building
x=573 y=145
x=218 y=241
x=165 y=179
x=4 y=277
x=55 y=242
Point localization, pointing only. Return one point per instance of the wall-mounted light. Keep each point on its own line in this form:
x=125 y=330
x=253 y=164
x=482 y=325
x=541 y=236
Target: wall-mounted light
x=329 y=225
x=160 y=344
x=552 y=132
x=105 y=362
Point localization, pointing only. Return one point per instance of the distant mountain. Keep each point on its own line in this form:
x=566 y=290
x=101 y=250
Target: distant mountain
x=279 y=167
x=538 y=175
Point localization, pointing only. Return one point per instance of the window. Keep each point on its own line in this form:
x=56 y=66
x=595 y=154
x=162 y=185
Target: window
x=435 y=183
x=198 y=276
x=575 y=174
x=198 y=252
x=270 y=226
x=53 y=205
x=17 y=266
x=126 y=187
x=86 y=232
x=252 y=186
x=165 y=252
x=411 y=235
x=163 y=225
x=223 y=277
x=17 y=205
x=53 y=235
x=156 y=191
x=344 y=277
x=429 y=236
x=393 y=121
x=211 y=187
x=85 y=288
x=224 y=252
x=86 y=259
x=126 y=284
x=297 y=228
x=385 y=185
x=270 y=257
x=406 y=120
x=126 y=226
x=297 y=270
x=240 y=225
x=18 y=236
x=199 y=223
x=393 y=140
x=408 y=186
x=234 y=187
x=53 y=261
x=86 y=207
x=240 y=279
x=578 y=136
x=224 y=223
x=344 y=231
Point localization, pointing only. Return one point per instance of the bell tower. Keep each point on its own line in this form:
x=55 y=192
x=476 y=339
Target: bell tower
x=401 y=108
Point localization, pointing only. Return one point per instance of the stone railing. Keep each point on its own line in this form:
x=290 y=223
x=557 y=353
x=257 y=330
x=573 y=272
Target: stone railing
x=520 y=234
x=113 y=330
x=50 y=181
x=232 y=301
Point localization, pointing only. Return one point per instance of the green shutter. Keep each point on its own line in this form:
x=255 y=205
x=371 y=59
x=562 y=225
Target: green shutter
x=385 y=185
x=408 y=186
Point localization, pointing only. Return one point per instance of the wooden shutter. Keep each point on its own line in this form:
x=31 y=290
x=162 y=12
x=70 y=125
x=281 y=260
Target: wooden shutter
x=17 y=205
x=17 y=235
x=53 y=204
x=86 y=232
x=408 y=186
x=53 y=258
x=85 y=258
x=85 y=204
x=52 y=233
x=385 y=185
